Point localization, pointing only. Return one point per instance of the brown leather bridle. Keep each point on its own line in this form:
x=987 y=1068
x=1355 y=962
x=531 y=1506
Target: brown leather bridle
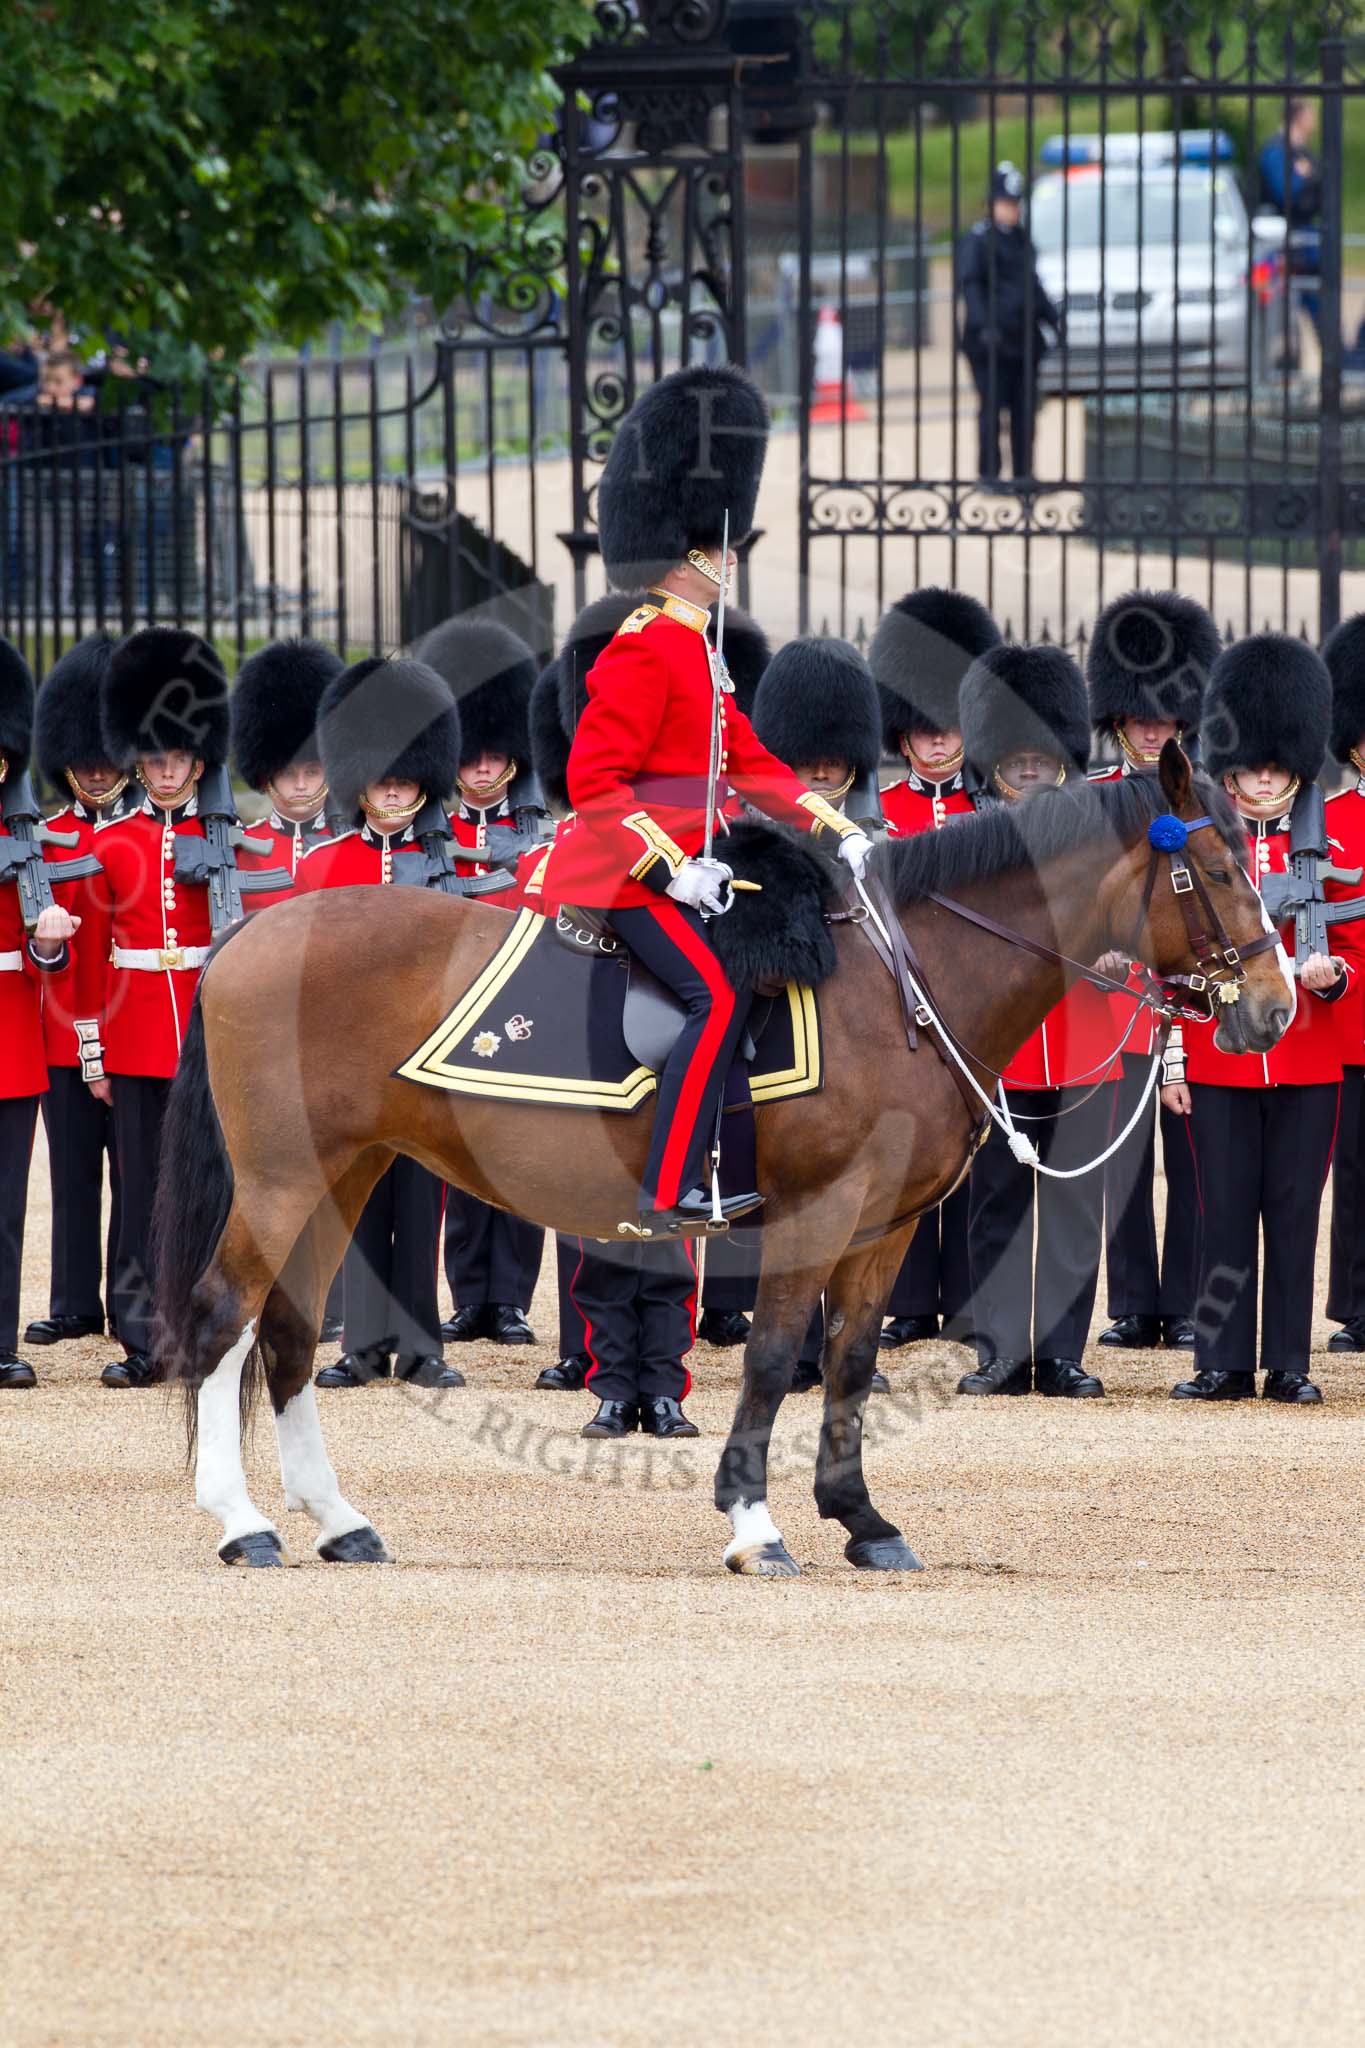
x=1219 y=971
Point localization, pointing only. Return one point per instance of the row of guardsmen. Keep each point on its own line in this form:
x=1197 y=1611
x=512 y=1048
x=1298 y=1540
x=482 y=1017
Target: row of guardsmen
x=357 y=764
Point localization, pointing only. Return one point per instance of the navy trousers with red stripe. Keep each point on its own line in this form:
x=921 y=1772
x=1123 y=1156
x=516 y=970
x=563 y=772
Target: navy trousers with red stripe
x=671 y=942
x=637 y=1305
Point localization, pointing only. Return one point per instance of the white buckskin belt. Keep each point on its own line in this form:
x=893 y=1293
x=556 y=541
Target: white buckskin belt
x=154 y=961
x=11 y=963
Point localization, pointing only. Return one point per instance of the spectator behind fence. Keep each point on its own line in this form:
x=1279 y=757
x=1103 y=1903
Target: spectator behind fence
x=1291 y=184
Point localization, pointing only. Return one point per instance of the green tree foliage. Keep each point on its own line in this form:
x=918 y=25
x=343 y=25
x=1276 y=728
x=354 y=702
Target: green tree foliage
x=192 y=175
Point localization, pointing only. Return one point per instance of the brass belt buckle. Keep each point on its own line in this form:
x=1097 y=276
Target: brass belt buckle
x=169 y=956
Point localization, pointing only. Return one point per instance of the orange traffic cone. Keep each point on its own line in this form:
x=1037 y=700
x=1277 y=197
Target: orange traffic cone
x=833 y=400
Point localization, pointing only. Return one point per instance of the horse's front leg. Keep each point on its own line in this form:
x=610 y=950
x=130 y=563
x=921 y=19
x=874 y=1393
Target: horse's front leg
x=857 y=1298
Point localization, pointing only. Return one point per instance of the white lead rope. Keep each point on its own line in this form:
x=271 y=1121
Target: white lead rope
x=1020 y=1144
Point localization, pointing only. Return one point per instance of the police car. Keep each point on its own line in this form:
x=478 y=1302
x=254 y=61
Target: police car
x=1144 y=241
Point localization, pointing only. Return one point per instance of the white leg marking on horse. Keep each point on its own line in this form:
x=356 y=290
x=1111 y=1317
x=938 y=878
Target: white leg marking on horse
x=309 y=1481
x=219 y=1481
x=753 y=1527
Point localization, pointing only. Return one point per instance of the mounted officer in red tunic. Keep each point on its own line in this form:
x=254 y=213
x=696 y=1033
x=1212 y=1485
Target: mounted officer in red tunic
x=278 y=753
x=687 y=456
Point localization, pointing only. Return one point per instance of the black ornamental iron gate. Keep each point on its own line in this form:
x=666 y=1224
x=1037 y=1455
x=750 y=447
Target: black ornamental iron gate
x=797 y=185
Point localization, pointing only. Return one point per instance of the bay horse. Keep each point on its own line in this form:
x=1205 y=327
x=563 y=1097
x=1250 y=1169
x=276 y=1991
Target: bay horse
x=286 y=1110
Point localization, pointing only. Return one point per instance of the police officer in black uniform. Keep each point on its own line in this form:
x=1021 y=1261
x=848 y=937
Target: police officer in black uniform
x=1005 y=312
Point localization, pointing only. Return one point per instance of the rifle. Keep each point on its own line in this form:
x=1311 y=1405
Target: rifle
x=428 y=864
x=21 y=854
x=213 y=859
x=1298 y=893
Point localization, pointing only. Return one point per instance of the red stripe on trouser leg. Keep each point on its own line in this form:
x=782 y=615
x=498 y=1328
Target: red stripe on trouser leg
x=587 y=1320
x=699 y=956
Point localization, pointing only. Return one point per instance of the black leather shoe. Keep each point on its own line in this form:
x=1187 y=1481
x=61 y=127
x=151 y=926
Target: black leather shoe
x=1177 y=1333
x=355 y=1369
x=1066 y=1378
x=61 y=1329
x=692 y=1217
x=908 y=1330
x=428 y=1371
x=665 y=1418
x=568 y=1376
x=134 y=1370
x=613 y=1418
x=1351 y=1337
x=999 y=1376
x=723 y=1328
x=16 y=1371
x=330 y=1333
x=1132 y=1333
x=805 y=1377
x=507 y=1325
x=1294 y=1387
x=466 y=1324
x=1210 y=1385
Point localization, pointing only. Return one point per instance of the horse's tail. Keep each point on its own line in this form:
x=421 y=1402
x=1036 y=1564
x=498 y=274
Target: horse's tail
x=193 y=1197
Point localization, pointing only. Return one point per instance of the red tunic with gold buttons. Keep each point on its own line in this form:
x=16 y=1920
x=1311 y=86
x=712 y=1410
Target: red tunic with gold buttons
x=23 y=1058
x=638 y=766
x=1310 y=1051
x=915 y=805
x=478 y=828
x=136 y=909
x=289 y=842
x=1346 y=848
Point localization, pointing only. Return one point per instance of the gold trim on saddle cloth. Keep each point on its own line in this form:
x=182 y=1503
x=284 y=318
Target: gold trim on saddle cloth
x=443 y=1059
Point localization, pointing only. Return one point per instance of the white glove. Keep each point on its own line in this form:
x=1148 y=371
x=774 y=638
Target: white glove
x=854 y=847
x=703 y=885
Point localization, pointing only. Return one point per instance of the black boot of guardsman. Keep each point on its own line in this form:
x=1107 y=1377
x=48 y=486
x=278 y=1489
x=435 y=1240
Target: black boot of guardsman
x=691 y=1217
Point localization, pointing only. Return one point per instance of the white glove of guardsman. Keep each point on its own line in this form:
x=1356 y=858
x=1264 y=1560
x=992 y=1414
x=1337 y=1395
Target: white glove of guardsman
x=854 y=847
x=703 y=885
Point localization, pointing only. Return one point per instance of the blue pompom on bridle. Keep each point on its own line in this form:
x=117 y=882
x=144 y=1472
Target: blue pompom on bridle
x=1169 y=833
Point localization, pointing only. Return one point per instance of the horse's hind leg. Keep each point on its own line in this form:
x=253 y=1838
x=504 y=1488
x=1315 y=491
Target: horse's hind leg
x=289 y=1335
x=857 y=1300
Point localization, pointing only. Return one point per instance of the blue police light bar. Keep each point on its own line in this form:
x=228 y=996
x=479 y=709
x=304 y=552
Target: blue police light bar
x=1195 y=145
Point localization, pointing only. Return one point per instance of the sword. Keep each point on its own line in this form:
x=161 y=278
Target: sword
x=717 y=671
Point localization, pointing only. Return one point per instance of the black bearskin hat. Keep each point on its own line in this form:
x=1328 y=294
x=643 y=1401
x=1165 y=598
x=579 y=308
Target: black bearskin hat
x=590 y=634
x=920 y=652
x=490 y=673
x=1024 y=697
x=388 y=715
x=549 y=742
x=817 y=702
x=16 y=709
x=689 y=450
x=1344 y=653
x=275 y=707
x=747 y=655
x=68 y=733
x=165 y=691
x=1150 y=658
x=1269 y=698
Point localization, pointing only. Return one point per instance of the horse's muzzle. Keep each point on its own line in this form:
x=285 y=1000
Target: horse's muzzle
x=1251 y=1025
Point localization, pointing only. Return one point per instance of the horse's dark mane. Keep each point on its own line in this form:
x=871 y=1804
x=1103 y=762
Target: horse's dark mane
x=1053 y=823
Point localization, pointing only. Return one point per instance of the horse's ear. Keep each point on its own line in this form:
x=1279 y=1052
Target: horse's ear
x=1176 y=774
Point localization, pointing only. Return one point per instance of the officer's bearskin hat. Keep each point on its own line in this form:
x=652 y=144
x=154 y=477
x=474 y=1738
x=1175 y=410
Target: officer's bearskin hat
x=67 y=732
x=1150 y=658
x=1344 y=653
x=817 y=702
x=490 y=672
x=747 y=655
x=164 y=691
x=16 y=709
x=1269 y=698
x=549 y=742
x=920 y=652
x=275 y=707
x=1016 y=698
x=388 y=715
x=689 y=450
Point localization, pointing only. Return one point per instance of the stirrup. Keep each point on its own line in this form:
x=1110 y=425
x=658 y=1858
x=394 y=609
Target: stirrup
x=693 y=1217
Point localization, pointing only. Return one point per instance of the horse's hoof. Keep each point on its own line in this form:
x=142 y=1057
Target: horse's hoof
x=357 y=1546
x=882 y=1554
x=764 y=1561
x=260 y=1549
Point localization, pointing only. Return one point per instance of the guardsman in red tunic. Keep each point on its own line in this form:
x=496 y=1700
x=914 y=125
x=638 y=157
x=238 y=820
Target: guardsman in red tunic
x=920 y=652
x=1026 y=728
x=689 y=451
x=1344 y=654
x=163 y=704
x=1148 y=663
x=1263 y=1124
x=391 y=747
x=69 y=745
x=277 y=753
x=26 y=958
x=492 y=1260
